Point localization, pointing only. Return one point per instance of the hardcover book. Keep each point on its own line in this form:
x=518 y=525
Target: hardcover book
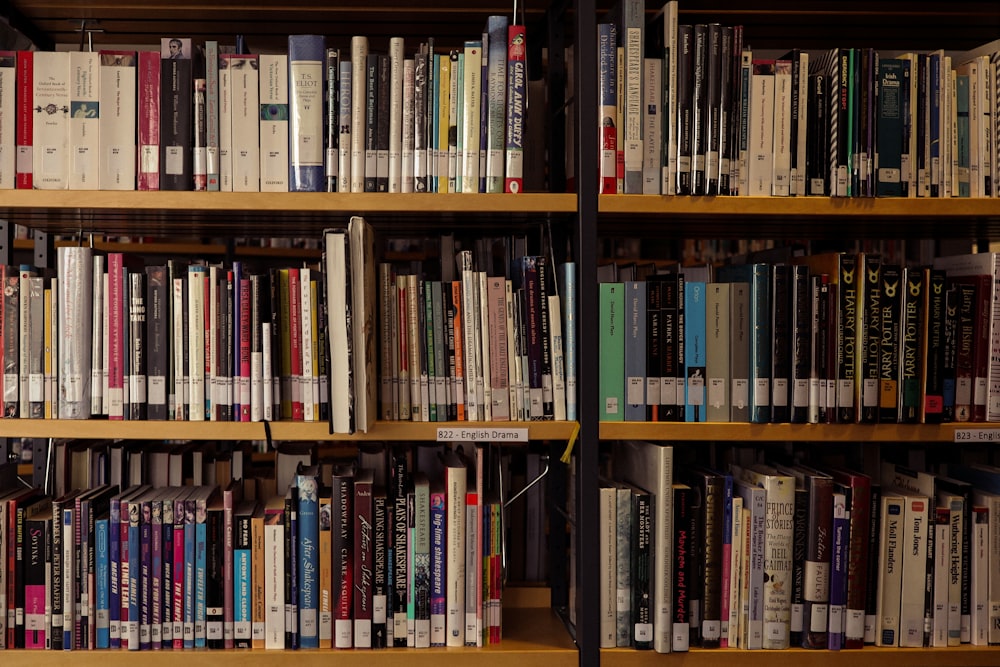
x=305 y=113
x=275 y=167
x=176 y=103
x=116 y=157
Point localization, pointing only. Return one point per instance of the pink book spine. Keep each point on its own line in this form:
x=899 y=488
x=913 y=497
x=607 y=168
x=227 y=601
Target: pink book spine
x=116 y=334
x=124 y=574
x=727 y=558
x=25 y=121
x=178 y=592
x=34 y=616
x=149 y=120
x=245 y=349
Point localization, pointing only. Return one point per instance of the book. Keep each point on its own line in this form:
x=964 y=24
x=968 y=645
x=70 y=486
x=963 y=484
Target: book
x=608 y=111
x=455 y=490
x=274 y=120
x=309 y=568
x=608 y=535
x=51 y=103
x=516 y=105
x=176 y=90
x=117 y=125
x=8 y=106
x=612 y=343
x=84 y=120
x=305 y=113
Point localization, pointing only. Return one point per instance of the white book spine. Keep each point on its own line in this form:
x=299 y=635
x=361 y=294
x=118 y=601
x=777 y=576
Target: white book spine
x=914 y=548
x=406 y=184
x=558 y=359
x=472 y=97
x=8 y=149
x=274 y=587
x=483 y=379
x=117 y=120
x=890 y=571
x=266 y=379
x=455 y=556
x=273 y=125
x=609 y=564
x=761 y=135
x=652 y=119
x=993 y=541
x=799 y=174
x=469 y=329
x=225 y=127
x=396 y=59
x=736 y=576
x=97 y=337
x=177 y=347
x=975 y=127
x=942 y=560
x=84 y=123
x=76 y=270
x=473 y=632
x=670 y=39
x=359 y=57
x=51 y=100
x=308 y=413
x=781 y=185
x=244 y=80
x=196 y=342
x=336 y=291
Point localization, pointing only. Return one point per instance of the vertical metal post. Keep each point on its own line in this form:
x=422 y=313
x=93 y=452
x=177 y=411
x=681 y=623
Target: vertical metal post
x=6 y=257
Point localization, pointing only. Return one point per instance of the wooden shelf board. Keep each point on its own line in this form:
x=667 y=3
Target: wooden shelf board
x=531 y=636
x=282 y=430
x=192 y=247
x=723 y=431
x=964 y=656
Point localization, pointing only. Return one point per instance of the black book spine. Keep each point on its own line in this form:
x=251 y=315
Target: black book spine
x=964 y=343
x=711 y=562
x=801 y=348
x=800 y=528
x=400 y=590
x=724 y=128
x=157 y=341
x=371 y=123
x=214 y=579
x=448 y=303
x=56 y=589
x=332 y=118
x=11 y=327
x=683 y=556
x=642 y=594
x=871 y=335
x=544 y=289
x=382 y=125
x=685 y=109
x=912 y=336
x=419 y=113
x=842 y=83
x=847 y=340
x=817 y=136
x=873 y=566
x=781 y=363
x=167 y=577
x=819 y=549
x=822 y=353
x=669 y=361
x=532 y=322
x=681 y=379
x=137 y=341
x=176 y=122
x=324 y=352
x=343 y=556
x=654 y=344
x=696 y=565
x=797 y=111
x=713 y=110
x=292 y=568
x=892 y=287
x=699 y=109
x=948 y=372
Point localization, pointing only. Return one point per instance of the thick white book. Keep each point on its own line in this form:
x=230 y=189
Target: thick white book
x=118 y=102
x=607 y=534
x=244 y=90
x=760 y=158
x=335 y=270
x=396 y=113
x=914 y=548
x=650 y=466
x=455 y=536
x=359 y=74
x=472 y=83
x=274 y=123
x=75 y=268
x=8 y=109
x=890 y=569
x=178 y=335
x=406 y=183
x=225 y=127
x=361 y=241
x=85 y=121
x=558 y=358
x=274 y=579
x=50 y=101
x=652 y=119
x=782 y=139
x=956 y=537
x=304 y=77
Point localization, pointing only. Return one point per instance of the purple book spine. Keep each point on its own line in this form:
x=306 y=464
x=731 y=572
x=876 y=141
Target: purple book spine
x=156 y=575
x=145 y=575
x=114 y=551
x=838 y=572
x=438 y=579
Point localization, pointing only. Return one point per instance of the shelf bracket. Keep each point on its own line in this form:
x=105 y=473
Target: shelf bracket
x=527 y=487
x=87 y=32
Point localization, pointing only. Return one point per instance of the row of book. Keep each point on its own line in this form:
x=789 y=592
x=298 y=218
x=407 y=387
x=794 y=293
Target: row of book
x=692 y=109
x=347 y=557
x=478 y=346
x=828 y=338
x=108 y=336
x=772 y=556
x=189 y=117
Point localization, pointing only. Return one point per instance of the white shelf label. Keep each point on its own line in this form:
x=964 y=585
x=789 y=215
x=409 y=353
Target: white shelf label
x=462 y=434
x=977 y=435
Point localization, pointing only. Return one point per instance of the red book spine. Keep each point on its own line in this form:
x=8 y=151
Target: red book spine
x=116 y=338
x=516 y=96
x=23 y=131
x=295 y=340
x=178 y=582
x=244 y=386
x=149 y=120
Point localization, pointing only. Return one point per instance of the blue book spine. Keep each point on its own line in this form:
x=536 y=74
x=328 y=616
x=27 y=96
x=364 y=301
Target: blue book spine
x=114 y=573
x=134 y=573
x=694 y=351
x=189 y=576
x=838 y=572
x=200 y=578
x=242 y=567
x=935 y=131
x=305 y=111
x=495 y=101
x=569 y=336
x=727 y=552
x=438 y=580
x=102 y=583
x=308 y=561
x=635 y=350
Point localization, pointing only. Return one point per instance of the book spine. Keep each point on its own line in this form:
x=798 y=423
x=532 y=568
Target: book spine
x=635 y=351
x=211 y=55
x=516 y=105
x=241 y=588
x=308 y=567
x=396 y=113
x=274 y=569
x=371 y=123
x=621 y=538
x=694 y=351
x=84 y=123
x=838 y=572
x=275 y=169
x=612 y=345
x=343 y=562
x=381 y=569
x=437 y=569
x=24 y=121
x=305 y=114
x=914 y=576
x=608 y=63
x=176 y=102
x=359 y=99
x=51 y=130
x=642 y=605
x=911 y=336
x=331 y=119
x=382 y=124
x=345 y=116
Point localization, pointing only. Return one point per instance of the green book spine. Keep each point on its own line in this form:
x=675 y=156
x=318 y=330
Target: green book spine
x=612 y=348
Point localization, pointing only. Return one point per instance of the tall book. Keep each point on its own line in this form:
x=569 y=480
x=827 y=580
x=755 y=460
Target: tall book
x=8 y=133
x=612 y=344
x=608 y=110
x=496 y=100
x=75 y=273
x=211 y=55
x=244 y=108
x=635 y=351
x=117 y=127
x=718 y=330
x=85 y=120
x=275 y=168
x=455 y=490
x=359 y=98
x=149 y=121
x=176 y=103
x=51 y=101
x=472 y=100
x=306 y=480
x=305 y=113
x=516 y=107
x=24 y=124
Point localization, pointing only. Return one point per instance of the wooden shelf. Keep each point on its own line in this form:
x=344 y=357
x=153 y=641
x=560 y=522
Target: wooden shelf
x=181 y=247
x=266 y=213
x=531 y=636
x=964 y=656
x=282 y=430
x=797 y=217
x=726 y=431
